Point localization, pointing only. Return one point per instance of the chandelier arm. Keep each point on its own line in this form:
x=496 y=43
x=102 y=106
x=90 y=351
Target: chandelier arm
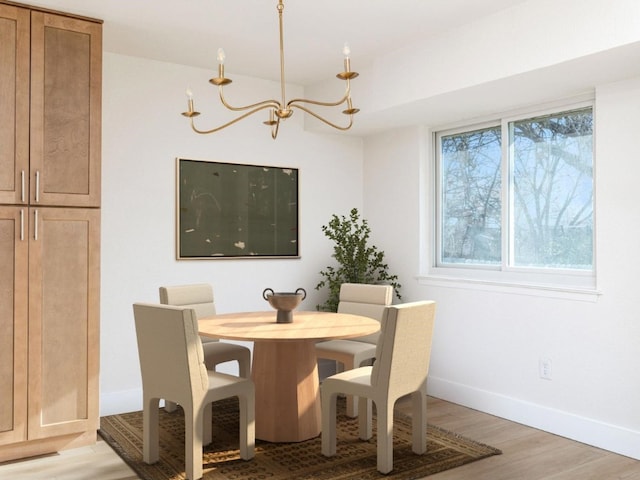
x=345 y=97
x=263 y=104
x=235 y=120
x=331 y=124
x=296 y=101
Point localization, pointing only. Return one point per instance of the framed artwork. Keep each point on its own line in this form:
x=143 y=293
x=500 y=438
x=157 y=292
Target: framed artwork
x=230 y=210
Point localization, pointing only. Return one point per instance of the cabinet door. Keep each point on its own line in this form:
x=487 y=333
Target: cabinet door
x=13 y=324
x=14 y=104
x=66 y=69
x=64 y=275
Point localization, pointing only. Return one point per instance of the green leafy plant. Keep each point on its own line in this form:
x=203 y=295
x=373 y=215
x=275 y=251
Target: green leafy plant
x=358 y=262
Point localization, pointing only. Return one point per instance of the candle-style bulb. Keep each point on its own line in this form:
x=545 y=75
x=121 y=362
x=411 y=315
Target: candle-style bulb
x=190 y=112
x=221 y=56
x=346 y=51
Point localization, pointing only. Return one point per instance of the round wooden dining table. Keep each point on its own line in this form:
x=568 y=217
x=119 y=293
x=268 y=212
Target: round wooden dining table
x=284 y=367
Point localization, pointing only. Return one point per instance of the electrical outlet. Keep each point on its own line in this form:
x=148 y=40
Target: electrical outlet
x=545 y=368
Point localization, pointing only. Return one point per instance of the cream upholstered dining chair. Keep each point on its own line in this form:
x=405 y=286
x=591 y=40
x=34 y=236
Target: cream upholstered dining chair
x=200 y=297
x=358 y=299
x=172 y=366
x=401 y=367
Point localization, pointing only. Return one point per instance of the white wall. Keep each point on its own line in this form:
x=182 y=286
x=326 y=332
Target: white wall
x=143 y=133
x=488 y=341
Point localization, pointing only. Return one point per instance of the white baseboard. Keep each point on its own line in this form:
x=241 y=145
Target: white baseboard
x=585 y=430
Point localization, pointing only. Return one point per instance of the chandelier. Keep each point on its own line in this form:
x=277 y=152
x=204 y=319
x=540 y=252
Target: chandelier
x=278 y=110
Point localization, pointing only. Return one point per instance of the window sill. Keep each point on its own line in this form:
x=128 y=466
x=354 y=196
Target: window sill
x=530 y=289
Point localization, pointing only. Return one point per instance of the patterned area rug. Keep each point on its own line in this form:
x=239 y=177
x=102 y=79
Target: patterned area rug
x=355 y=459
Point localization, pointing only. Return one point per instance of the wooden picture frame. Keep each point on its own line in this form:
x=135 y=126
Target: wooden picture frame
x=230 y=210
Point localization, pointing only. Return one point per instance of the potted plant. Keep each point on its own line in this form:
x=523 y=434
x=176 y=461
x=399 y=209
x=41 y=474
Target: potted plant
x=358 y=262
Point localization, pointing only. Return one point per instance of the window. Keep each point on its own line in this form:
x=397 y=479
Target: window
x=517 y=195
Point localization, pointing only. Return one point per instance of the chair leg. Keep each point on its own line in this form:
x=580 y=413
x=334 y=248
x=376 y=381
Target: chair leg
x=365 y=418
x=352 y=400
x=247 y=425
x=207 y=424
x=244 y=365
x=352 y=406
x=150 y=440
x=328 y=405
x=170 y=406
x=419 y=422
x=193 y=426
x=385 y=436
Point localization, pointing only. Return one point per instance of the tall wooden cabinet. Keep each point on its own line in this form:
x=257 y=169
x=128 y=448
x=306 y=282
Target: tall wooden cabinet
x=50 y=129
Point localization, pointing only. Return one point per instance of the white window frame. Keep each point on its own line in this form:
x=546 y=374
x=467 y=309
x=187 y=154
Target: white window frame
x=574 y=284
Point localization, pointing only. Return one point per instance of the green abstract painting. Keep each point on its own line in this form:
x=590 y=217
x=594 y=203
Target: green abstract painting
x=229 y=210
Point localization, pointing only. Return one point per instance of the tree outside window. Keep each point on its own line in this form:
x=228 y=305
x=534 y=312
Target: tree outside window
x=543 y=182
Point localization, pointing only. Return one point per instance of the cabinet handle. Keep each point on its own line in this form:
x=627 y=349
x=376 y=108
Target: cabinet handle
x=21 y=224
x=37 y=186
x=35 y=225
x=22 y=186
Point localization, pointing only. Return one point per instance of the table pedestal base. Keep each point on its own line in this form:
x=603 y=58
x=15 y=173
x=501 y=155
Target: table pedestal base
x=287 y=391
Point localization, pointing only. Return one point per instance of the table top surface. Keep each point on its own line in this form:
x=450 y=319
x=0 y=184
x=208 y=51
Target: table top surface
x=258 y=326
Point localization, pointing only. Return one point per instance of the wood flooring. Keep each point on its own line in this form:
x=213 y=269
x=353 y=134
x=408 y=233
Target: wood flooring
x=528 y=454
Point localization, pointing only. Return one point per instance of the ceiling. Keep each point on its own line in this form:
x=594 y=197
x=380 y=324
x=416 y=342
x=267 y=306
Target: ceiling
x=189 y=32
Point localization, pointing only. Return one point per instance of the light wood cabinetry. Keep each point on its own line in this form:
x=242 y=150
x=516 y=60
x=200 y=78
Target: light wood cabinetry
x=50 y=105
x=14 y=274
x=50 y=268
x=66 y=66
x=15 y=27
x=64 y=278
